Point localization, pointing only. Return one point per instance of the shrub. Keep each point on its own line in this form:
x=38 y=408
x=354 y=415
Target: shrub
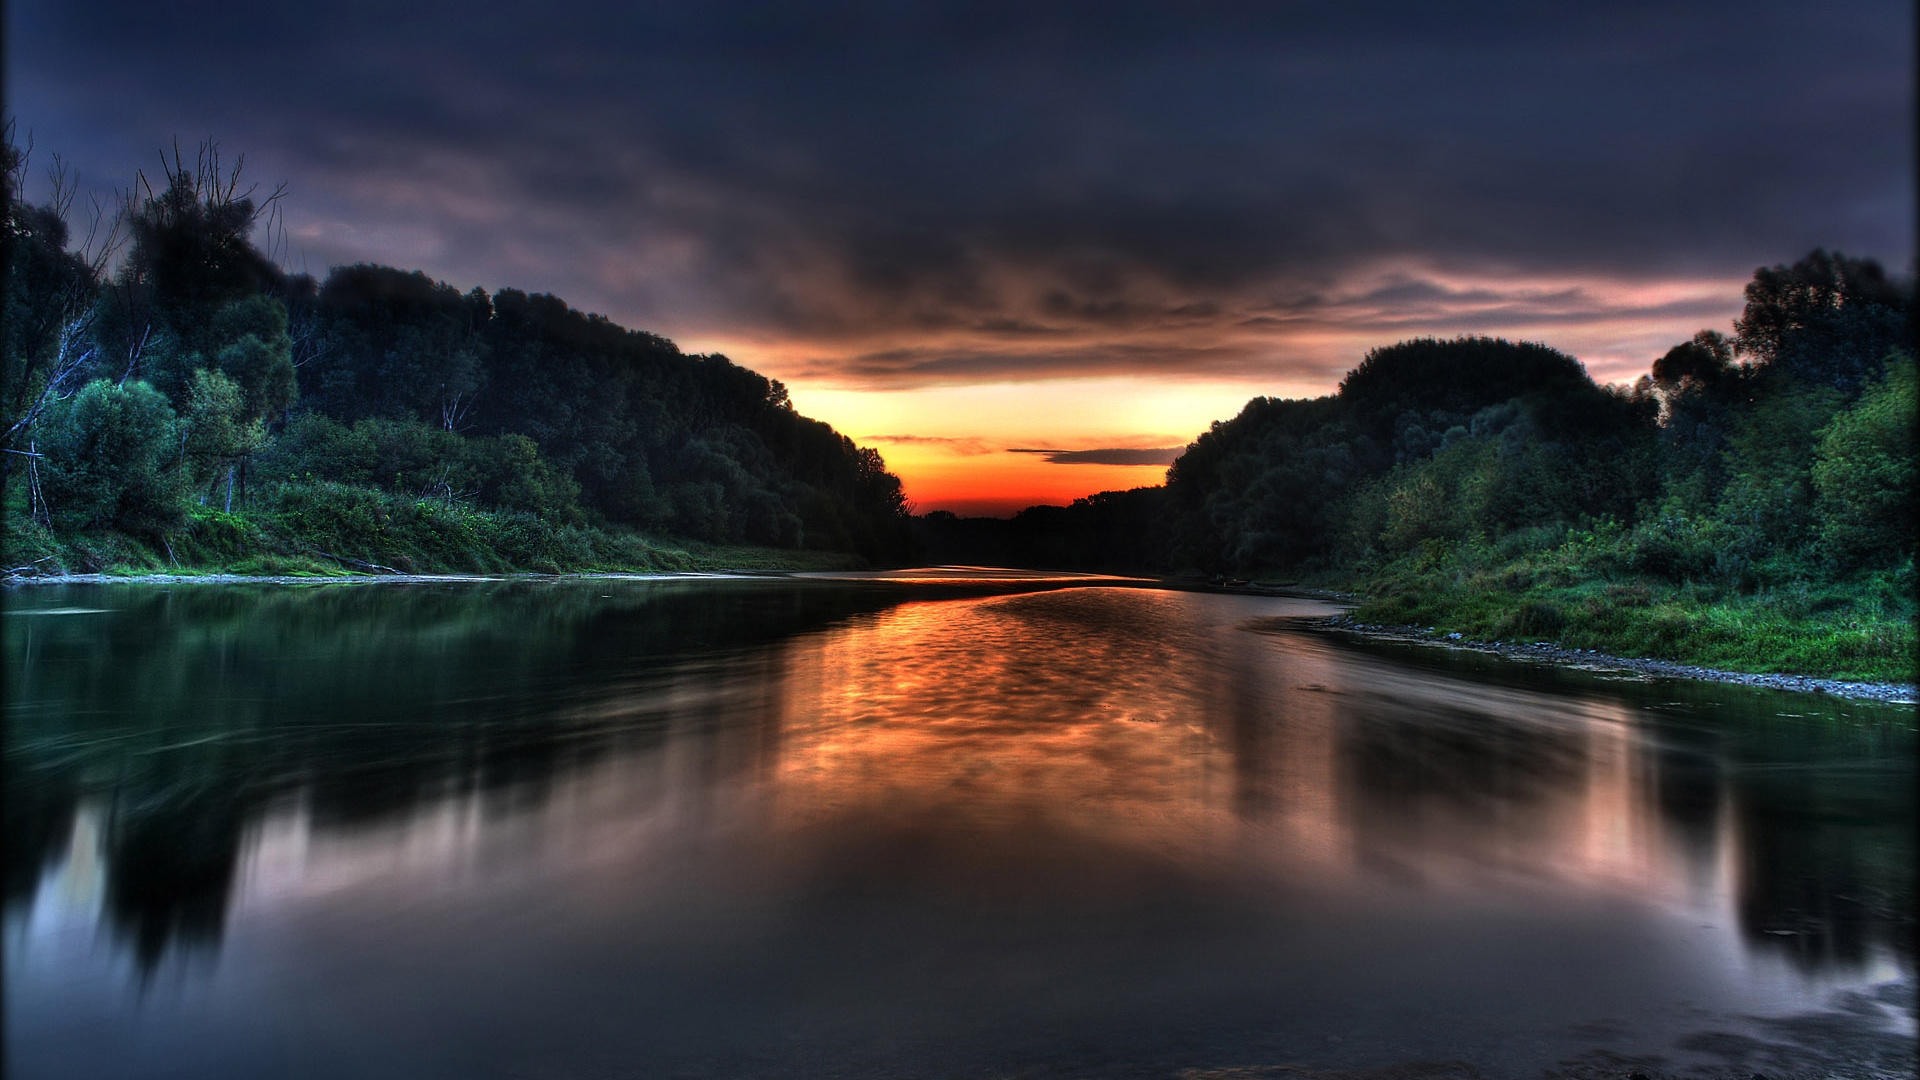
x=1539 y=619
x=111 y=457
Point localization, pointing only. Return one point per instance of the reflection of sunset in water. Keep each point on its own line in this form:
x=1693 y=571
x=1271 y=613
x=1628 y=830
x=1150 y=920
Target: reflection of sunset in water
x=1145 y=719
x=1003 y=710
x=1130 y=716
x=780 y=824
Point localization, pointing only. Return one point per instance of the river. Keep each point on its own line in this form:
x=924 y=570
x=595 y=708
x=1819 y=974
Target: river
x=949 y=824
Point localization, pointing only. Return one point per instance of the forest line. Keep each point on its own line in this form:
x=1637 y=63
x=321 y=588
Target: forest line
x=199 y=404
x=1749 y=502
x=176 y=400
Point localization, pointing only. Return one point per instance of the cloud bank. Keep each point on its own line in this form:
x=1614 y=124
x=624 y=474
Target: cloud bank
x=887 y=195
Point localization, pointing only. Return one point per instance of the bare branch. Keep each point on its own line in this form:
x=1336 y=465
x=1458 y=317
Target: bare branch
x=64 y=182
x=75 y=353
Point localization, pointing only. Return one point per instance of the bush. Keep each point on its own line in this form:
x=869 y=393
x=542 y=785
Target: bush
x=111 y=459
x=513 y=476
x=1538 y=619
x=1673 y=546
x=408 y=457
x=317 y=447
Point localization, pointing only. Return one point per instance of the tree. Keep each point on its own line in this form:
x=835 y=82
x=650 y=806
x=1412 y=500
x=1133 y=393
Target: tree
x=1768 y=498
x=1704 y=362
x=111 y=456
x=191 y=256
x=216 y=432
x=195 y=296
x=257 y=354
x=1828 y=319
x=1454 y=378
x=1863 y=471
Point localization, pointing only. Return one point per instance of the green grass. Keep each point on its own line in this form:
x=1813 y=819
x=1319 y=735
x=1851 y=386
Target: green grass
x=321 y=529
x=1860 y=627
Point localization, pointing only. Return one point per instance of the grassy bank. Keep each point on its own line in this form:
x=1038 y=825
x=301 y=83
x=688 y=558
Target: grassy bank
x=1577 y=596
x=325 y=529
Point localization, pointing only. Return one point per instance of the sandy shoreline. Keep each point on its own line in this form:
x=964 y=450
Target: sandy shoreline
x=1588 y=660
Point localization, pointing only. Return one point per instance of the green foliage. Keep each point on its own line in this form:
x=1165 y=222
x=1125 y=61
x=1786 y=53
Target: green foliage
x=214 y=430
x=1455 y=378
x=364 y=529
x=410 y=457
x=1580 y=594
x=513 y=402
x=1768 y=499
x=514 y=476
x=1492 y=489
x=646 y=435
x=256 y=353
x=314 y=446
x=246 y=342
x=1863 y=472
x=110 y=456
x=398 y=345
x=1448 y=495
x=1427 y=440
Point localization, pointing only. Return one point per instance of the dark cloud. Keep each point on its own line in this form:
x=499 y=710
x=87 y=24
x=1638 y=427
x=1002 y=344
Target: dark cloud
x=934 y=365
x=1033 y=184
x=1160 y=455
x=963 y=447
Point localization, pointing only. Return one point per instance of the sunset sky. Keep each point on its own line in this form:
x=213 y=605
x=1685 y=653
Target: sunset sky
x=1085 y=231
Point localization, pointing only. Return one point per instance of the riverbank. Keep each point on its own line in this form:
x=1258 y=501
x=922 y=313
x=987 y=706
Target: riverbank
x=1544 y=652
x=396 y=539
x=368 y=579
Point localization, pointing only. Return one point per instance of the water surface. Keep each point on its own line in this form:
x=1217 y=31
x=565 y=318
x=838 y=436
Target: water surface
x=928 y=825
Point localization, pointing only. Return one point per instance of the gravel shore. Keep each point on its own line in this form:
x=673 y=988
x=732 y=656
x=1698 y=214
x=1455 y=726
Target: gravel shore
x=1586 y=659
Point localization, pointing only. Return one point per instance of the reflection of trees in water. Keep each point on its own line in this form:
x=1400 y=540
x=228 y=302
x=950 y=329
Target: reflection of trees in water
x=1823 y=809
x=190 y=709
x=38 y=820
x=1821 y=791
x=1448 y=780
x=171 y=860
x=1822 y=796
x=1689 y=789
x=1826 y=871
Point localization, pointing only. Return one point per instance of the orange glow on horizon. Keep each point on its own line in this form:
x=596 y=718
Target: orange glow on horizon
x=945 y=430
x=949 y=445
x=1002 y=488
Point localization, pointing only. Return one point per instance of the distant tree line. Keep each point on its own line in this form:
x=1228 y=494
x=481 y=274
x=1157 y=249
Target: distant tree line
x=164 y=362
x=162 y=367
x=1783 y=452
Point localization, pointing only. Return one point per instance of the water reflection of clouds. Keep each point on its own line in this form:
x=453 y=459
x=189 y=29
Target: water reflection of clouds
x=1042 y=752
